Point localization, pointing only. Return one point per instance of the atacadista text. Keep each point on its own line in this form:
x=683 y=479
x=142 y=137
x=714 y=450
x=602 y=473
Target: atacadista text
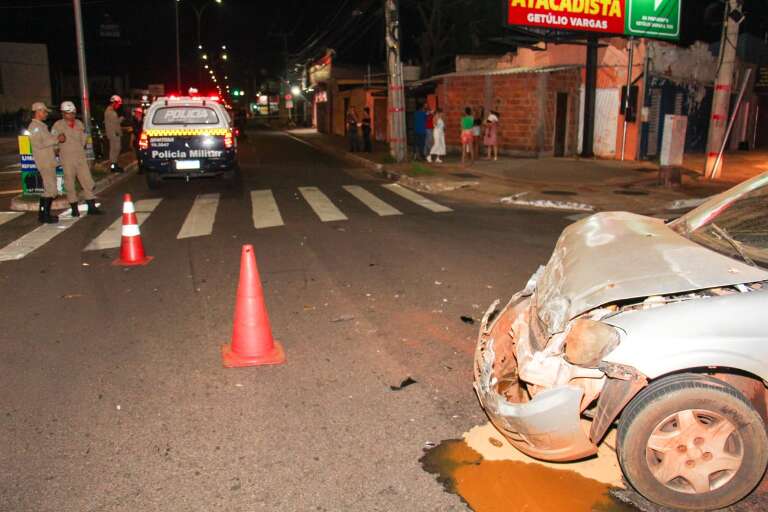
x=607 y=8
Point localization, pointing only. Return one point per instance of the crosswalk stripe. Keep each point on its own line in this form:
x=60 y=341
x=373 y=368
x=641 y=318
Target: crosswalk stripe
x=416 y=198
x=37 y=238
x=371 y=201
x=9 y=216
x=322 y=206
x=110 y=237
x=199 y=221
x=264 y=209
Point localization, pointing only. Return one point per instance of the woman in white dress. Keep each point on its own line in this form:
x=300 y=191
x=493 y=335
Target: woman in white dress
x=438 y=147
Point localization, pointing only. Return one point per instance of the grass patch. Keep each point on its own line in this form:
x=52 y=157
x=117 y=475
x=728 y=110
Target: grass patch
x=418 y=169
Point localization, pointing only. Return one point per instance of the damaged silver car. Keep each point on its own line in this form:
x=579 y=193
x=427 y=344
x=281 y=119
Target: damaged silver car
x=660 y=328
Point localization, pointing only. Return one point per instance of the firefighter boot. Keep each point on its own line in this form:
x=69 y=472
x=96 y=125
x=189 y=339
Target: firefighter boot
x=92 y=209
x=48 y=217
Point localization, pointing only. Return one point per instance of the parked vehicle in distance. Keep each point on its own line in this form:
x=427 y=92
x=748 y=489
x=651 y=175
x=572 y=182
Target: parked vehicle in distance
x=659 y=327
x=187 y=137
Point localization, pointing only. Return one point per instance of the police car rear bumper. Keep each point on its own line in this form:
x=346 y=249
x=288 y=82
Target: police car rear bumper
x=208 y=166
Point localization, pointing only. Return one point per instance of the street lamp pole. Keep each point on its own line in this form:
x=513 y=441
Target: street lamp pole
x=84 y=94
x=198 y=17
x=178 y=55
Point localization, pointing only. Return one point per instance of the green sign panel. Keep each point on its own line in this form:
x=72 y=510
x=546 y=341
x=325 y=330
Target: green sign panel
x=653 y=18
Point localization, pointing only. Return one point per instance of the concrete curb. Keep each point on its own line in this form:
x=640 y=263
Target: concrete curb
x=349 y=157
x=20 y=204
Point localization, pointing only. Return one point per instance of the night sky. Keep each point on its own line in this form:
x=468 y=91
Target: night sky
x=258 y=33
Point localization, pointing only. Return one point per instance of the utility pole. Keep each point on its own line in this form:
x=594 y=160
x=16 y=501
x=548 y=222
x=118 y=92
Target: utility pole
x=396 y=93
x=178 y=55
x=723 y=84
x=590 y=89
x=627 y=103
x=83 y=72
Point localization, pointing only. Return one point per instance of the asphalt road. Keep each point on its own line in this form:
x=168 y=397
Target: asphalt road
x=113 y=394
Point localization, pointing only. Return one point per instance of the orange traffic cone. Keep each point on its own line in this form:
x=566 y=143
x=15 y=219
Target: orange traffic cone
x=131 y=247
x=252 y=342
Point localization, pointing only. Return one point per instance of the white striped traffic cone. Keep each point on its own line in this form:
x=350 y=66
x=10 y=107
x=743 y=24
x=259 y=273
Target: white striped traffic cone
x=131 y=247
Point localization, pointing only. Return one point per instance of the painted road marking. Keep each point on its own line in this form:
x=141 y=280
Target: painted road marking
x=199 y=221
x=9 y=216
x=371 y=201
x=265 y=212
x=322 y=206
x=37 y=238
x=416 y=198
x=110 y=237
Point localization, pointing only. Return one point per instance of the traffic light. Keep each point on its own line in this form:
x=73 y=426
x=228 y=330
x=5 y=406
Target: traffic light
x=238 y=92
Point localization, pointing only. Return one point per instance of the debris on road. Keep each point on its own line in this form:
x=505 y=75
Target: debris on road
x=518 y=200
x=467 y=319
x=407 y=382
x=72 y=296
x=343 y=318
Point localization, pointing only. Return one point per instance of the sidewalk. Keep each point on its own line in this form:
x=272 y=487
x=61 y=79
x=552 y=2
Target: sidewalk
x=101 y=175
x=562 y=183
x=737 y=165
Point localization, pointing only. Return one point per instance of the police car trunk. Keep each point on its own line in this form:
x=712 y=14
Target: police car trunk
x=187 y=137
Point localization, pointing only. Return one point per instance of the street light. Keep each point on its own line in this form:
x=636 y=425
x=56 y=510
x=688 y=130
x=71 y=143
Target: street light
x=198 y=15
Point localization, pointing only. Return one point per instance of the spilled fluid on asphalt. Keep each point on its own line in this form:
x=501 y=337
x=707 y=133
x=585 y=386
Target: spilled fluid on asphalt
x=511 y=486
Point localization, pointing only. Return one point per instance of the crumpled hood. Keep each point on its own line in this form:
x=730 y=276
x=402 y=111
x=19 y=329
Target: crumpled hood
x=616 y=256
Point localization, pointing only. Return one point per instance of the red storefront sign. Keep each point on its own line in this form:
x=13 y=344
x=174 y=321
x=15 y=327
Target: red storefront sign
x=604 y=16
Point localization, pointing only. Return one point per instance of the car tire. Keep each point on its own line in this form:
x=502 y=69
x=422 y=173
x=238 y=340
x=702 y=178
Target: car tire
x=692 y=442
x=232 y=176
x=153 y=180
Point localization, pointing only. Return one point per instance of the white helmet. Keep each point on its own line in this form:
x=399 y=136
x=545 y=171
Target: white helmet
x=68 y=106
x=115 y=98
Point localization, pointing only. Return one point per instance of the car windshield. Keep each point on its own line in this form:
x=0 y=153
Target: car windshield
x=185 y=116
x=738 y=228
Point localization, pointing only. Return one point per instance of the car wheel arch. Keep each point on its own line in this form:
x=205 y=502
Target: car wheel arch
x=655 y=397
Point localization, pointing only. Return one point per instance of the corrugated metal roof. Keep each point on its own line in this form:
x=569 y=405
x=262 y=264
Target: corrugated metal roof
x=495 y=72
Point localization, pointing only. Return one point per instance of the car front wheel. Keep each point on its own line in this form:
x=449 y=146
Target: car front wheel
x=153 y=180
x=692 y=442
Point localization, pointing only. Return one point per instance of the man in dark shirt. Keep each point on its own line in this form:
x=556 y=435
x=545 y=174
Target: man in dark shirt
x=137 y=124
x=419 y=132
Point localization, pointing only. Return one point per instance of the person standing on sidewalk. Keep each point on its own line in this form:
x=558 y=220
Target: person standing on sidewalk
x=43 y=143
x=352 y=122
x=419 y=132
x=366 y=127
x=477 y=130
x=491 y=138
x=112 y=120
x=438 y=147
x=73 y=159
x=430 y=127
x=137 y=124
x=467 y=138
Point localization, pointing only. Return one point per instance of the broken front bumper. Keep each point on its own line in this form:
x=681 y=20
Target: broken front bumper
x=547 y=426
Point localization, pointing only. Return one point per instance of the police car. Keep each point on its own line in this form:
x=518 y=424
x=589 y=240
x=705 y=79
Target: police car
x=187 y=137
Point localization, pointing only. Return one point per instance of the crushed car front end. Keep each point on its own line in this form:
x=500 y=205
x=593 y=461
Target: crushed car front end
x=555 y=367
x=532 y=394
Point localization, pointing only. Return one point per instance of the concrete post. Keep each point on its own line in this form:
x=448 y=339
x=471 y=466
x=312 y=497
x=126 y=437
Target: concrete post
x=722 y=95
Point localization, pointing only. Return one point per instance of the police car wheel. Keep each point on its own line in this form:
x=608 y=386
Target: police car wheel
x=232 y=174
x=153 y=180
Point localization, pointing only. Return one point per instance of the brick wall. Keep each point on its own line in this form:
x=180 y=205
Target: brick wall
x=526 y=104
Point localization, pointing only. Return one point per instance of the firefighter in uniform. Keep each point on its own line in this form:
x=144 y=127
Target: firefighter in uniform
x=43 y=144
x=114 y=133
x=73 y=159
